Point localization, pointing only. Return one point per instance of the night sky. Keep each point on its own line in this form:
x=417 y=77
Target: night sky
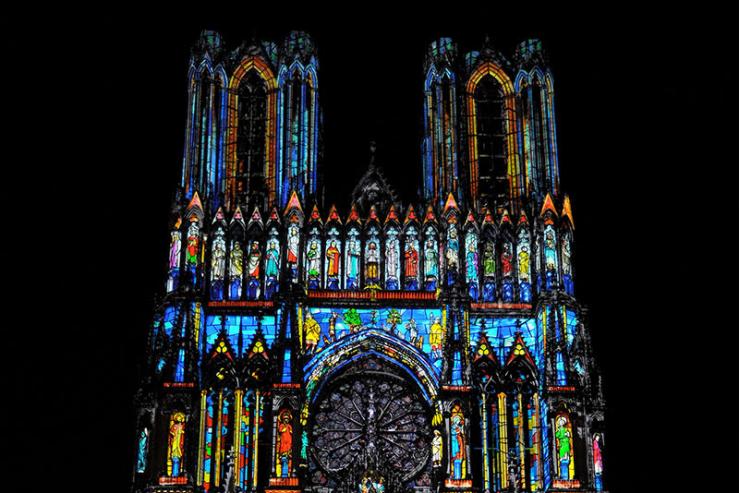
x=631 y=124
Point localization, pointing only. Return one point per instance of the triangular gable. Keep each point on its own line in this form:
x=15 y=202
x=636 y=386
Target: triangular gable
x=505 y=219
x=256 y=216
x=237 y=215
x=354 y=216
x=274 y=216
x=219 y=215
x=519 y=350
x=315 y=215
x=222 y=347
x=392 y=214
x=373 y=214
x=488 y=217
x=333 y=216
x=567 y=212
x=523 y=218
x=429 y=215
x=450 y=205
x=410 y=215
x=484 y=350
x=470 y=219
x=293 y=204
x=548 y=205
x=195 y=202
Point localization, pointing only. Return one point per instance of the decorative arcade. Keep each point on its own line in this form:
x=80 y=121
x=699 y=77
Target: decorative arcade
x=382 y=345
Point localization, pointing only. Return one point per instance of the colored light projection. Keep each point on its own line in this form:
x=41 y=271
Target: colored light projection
x=284 y=443
x=176 y=444
x=598 y=443
x=422 y=328
x=564 y=446
x=458 y=444
x=241 y=326
x=501 y=334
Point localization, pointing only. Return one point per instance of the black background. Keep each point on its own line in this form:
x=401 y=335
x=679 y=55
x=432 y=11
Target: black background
x=639 y=99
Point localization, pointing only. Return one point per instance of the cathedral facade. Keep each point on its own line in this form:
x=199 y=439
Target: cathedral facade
x=377 y=345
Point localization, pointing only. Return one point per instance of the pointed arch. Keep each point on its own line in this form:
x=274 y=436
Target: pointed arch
x=508 y=113
x=260 y=67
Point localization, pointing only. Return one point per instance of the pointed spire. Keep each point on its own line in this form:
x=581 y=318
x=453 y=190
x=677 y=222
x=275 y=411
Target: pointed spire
x=567 y=212
x=429 y=216
x=505 y=219
x=293 y=203
x=471 y=218
x=488 y=217
x=373 y=214
x=392 y=214
x=274 y=216
x=353 y=214
x=315 y=216
x=195 y=202
x=410 y=215
x=519 y=350
x=333 y=216
x=256 y=216
x=450 y=204
x=548 y=205
x=237 y=215
x=523 y=218
x=219 y=215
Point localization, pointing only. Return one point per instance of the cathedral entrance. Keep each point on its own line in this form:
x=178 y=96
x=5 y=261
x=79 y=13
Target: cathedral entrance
x=370 y=431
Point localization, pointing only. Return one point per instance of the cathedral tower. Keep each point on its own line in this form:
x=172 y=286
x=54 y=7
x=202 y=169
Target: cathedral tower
x=382 y=344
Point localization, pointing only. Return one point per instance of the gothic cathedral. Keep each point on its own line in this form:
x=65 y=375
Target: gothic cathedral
x=378 y=345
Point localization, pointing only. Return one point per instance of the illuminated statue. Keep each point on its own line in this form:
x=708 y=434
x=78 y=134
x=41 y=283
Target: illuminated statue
x=353 y=269
x=284 y=444
x=176 y=444
x=563 y=446
x=435 y=338
x=457 y=444
x=437 y=445
x=372 y=260
x=272 y=260
x=313 y=333
x=411 y=264
x=236 y=270
x=332 y=256
x=489 y=260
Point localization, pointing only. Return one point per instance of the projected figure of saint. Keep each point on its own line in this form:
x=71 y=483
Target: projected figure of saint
x=437 y=449
x=332 y=257
x=313 y=333
x=175 y=444
x=284 y=445
x=489 y=260
x=562 y=437
x=391 y=263
x=506 y=258
x=353 y=269
x=471 y=263
x=292 y=257
x=457 y=445
x=191 y=252
x=435 y=338
x=314 y=264
x=174 y=262
x=411 y=264
x=430 y=264
x=272 y=260
x=236 y=270
x=372 y=261
x=141 y=455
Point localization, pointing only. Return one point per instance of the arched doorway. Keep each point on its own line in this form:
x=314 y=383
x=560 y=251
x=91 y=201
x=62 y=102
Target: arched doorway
x=370 y=429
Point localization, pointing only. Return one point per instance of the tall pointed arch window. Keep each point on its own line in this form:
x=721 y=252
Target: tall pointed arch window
x=494 y=163
x=251 y=134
